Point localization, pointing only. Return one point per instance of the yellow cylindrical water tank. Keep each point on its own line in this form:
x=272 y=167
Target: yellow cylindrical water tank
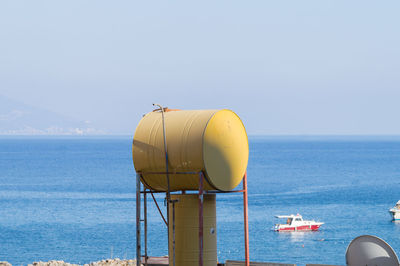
x=212 y=141
x=187 y=230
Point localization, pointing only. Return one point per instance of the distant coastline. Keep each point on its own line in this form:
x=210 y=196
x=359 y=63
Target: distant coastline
x=105 y=136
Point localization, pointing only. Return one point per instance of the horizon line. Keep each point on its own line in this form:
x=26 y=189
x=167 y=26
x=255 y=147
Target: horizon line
x=249 y=135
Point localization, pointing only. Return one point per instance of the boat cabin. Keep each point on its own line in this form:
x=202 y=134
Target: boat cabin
x=291 y=219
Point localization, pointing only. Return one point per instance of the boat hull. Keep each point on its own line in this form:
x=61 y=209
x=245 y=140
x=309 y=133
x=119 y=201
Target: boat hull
x=299 y=228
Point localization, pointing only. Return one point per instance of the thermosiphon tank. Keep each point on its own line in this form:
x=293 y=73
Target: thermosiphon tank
x=212 y=141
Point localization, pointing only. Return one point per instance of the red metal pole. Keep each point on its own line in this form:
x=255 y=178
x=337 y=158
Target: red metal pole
x=246 y=220
x=201 y=199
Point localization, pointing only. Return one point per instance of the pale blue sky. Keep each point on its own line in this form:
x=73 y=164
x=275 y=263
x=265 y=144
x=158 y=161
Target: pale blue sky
x=286 y=67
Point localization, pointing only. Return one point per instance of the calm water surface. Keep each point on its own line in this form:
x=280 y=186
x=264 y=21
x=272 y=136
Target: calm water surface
x=74 y=199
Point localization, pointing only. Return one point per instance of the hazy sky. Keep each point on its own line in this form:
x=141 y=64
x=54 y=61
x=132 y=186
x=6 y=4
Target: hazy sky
x=286 y=67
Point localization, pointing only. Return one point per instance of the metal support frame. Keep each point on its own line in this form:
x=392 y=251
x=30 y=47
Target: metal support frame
x=145 y=226
x=173 y=230
x=158 y=207
x=201 y=193
x=246 y=221
x=138 y=246
x=201 y=201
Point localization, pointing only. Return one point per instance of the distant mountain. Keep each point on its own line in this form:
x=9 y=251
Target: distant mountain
x=17 y=118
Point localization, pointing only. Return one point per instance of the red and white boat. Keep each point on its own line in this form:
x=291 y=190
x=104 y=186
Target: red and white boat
x=296 y=223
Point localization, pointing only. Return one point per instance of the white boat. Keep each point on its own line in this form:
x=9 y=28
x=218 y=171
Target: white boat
x=296 y=223
x=395 y=211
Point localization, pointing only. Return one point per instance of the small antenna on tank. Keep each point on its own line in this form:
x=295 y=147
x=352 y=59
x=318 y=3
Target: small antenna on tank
x=165 y=146
x=168 y=185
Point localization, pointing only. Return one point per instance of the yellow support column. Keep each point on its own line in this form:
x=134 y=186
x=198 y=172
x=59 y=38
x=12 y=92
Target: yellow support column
x=187 y=230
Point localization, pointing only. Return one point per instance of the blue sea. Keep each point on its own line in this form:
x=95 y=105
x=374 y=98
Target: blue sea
x=73 y=199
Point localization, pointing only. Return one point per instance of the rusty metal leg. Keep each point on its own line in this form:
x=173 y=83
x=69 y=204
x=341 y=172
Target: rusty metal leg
x=138 y=248
x=167 y=199
x=145 y=226
x=246 y=220
x=173 y=231
x=201 y=200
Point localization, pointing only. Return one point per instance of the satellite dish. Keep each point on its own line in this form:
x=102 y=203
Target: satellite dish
x=370 y=251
